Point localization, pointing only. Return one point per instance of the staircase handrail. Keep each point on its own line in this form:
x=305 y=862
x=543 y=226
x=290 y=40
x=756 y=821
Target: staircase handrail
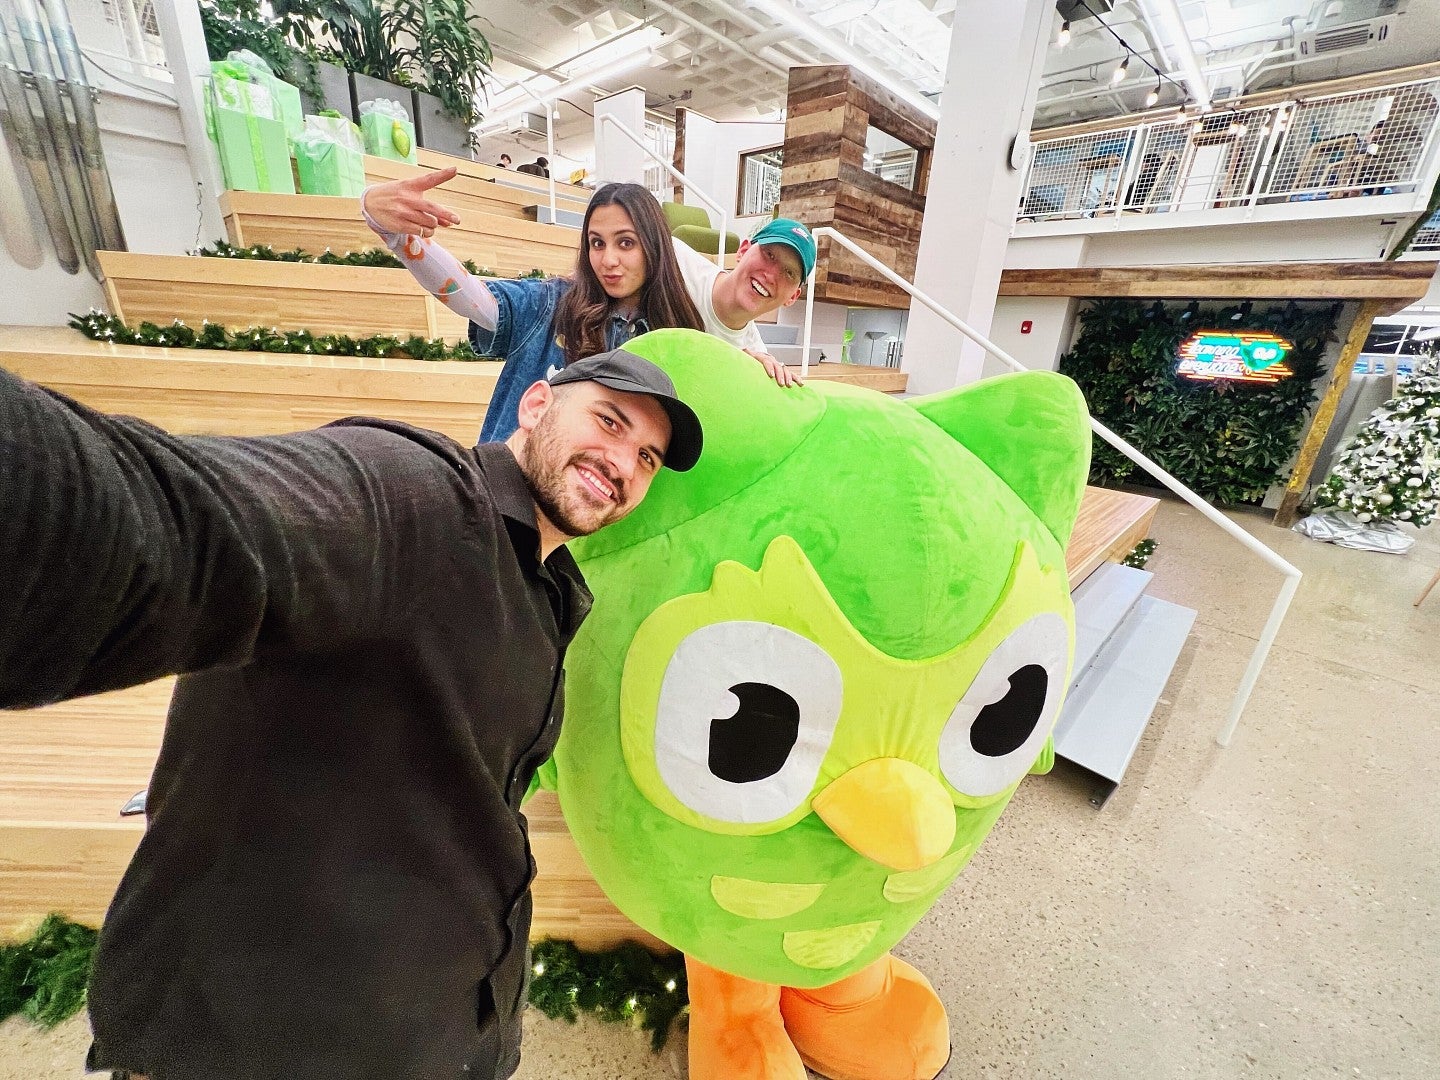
x=678 y=175
x=1291 y=572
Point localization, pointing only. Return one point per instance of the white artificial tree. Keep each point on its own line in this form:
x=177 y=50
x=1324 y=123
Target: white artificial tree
x=1390 y=468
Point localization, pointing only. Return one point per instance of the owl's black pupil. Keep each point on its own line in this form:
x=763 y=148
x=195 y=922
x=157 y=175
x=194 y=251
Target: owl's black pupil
x=755 y=742
x=1004 y=726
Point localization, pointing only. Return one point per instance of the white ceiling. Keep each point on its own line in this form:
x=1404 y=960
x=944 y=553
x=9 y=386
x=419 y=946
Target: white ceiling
x=727 y=58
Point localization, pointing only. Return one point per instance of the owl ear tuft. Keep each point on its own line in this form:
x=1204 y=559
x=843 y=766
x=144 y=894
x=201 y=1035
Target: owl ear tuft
x=1032 y=429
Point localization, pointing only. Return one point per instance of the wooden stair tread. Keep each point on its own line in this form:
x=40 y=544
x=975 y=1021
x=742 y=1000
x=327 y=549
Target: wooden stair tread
x=469 y=191
x=357 y=300
x=508 y=245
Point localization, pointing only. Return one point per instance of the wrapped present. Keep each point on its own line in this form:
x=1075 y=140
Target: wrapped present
x=286 y=98
x=387 y=129
x=337 y=128
x=329 y=159
x=240 y=116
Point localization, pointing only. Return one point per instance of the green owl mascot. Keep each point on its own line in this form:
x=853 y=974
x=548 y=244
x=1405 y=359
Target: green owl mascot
x=818 y=666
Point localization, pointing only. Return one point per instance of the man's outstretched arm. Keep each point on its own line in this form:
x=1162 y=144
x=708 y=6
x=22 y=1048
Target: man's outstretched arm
x=127 y=554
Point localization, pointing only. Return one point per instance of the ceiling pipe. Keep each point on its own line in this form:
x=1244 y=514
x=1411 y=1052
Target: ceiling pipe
x=1185 y=52
x=781 y=11
x=763 y=56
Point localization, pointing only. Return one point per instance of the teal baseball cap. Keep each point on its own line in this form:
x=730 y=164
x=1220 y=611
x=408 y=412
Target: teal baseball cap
x=793 y=235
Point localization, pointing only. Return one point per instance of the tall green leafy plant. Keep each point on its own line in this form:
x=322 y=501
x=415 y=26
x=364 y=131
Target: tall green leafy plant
x=230 y=25
x=450 y=55
x=1228 y=441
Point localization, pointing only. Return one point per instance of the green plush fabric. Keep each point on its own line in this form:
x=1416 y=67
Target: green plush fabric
x=886 y=568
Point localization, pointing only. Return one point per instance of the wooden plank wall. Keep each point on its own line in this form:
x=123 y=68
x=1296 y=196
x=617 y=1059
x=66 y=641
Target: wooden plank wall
x=823 y=180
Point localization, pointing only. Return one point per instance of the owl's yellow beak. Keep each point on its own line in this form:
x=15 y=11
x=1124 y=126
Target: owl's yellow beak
x=891 y=811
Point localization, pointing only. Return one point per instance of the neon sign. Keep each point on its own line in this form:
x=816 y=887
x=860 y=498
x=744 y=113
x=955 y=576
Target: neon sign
x=1235 y=356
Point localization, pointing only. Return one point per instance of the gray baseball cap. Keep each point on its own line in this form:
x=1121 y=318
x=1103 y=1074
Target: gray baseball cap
x=622 y=370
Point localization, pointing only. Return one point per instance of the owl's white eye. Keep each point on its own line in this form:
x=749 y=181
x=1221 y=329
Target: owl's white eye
x=996 y=732
x=746 y=713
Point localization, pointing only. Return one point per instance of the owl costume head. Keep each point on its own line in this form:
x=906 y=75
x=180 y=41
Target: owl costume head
x=820 y=662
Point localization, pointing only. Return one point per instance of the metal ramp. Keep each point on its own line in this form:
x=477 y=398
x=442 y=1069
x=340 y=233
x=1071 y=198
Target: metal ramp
x=1126 y=645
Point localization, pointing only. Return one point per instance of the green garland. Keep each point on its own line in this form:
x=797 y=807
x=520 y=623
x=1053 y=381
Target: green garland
x=45 y=978
x=1141 y=555
x=369 y=257
x=628 y=983
x=99 y=326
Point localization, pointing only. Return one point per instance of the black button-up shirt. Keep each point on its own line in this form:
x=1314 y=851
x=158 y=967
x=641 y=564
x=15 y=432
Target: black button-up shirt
x=334 y=879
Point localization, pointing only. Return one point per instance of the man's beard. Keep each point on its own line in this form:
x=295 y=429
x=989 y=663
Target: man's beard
x=544 y=463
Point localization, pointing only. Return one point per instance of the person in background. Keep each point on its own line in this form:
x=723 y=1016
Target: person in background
x=770 y=272
x=369 y=624
x=539 y=167
x=504 y=161
x=625 y=282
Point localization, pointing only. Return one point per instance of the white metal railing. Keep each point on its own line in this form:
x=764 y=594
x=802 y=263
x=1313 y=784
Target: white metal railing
x=1292 y=574
x=1427 y=237
x=678 y=175
x=1367 y=142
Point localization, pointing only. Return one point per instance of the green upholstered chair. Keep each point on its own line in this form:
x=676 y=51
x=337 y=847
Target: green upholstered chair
x=691 y=225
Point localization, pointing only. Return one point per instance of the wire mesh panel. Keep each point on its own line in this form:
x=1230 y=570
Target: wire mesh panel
x=1078 y=175
x=1372 y=142
x=1427 y=237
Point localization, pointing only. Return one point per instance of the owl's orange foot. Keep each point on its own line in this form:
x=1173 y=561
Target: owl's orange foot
x=735 y=1029
x=885 y=1022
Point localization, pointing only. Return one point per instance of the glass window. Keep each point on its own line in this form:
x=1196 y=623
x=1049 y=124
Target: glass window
x=759 y=181
x=890 y=159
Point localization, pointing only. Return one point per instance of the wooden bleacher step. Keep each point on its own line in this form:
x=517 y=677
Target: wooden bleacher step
x=360 y=301
x=203 y=392
x=471 y=190
x=508 y=245
x=1105 y=716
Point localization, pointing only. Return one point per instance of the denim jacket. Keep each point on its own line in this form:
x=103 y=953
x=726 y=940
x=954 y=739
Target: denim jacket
x=524 y=336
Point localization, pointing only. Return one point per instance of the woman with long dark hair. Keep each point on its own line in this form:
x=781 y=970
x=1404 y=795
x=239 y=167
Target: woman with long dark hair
x=626 y=281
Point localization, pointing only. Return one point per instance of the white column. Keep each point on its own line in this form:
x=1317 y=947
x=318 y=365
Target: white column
x=617 y=159
x=990 y=87
x=189 y=63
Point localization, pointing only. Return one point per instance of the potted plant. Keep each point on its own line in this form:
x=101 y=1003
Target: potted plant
x=450 y=59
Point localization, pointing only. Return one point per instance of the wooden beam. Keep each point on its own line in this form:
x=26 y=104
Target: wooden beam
x=1393 y=285
x=1325 y=414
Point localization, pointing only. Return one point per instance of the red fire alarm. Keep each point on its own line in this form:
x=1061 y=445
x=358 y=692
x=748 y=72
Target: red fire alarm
x=1025 y=326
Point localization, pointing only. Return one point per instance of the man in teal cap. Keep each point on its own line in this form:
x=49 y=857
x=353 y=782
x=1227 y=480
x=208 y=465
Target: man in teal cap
x=770 y=271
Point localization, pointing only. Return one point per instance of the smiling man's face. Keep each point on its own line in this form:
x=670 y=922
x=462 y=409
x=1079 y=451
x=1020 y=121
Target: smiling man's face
x=592 y=454
x=766 y=277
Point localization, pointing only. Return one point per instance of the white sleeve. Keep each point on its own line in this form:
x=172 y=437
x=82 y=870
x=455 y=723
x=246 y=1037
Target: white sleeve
x=440 y=274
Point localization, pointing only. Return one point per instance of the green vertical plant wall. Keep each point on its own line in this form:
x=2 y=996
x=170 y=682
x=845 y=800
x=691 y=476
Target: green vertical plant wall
x=1228 y=441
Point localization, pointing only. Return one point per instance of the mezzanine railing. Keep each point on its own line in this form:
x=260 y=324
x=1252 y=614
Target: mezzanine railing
x=1362 y=143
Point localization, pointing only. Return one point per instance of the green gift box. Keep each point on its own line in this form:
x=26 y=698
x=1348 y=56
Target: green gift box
x=285 y=99
x=327 y=168
x=254 y=152
x=388 y=137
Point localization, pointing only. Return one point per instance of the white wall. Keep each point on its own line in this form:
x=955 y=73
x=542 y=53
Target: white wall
x=712 y=160
x=1052 y=328
x=154 y=194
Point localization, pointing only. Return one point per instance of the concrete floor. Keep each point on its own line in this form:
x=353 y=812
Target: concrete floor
x=1263 y=911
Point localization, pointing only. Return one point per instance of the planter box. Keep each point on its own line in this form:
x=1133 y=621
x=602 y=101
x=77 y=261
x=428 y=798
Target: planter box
x=368 y=88
x=334 y=92
x=437 y=130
